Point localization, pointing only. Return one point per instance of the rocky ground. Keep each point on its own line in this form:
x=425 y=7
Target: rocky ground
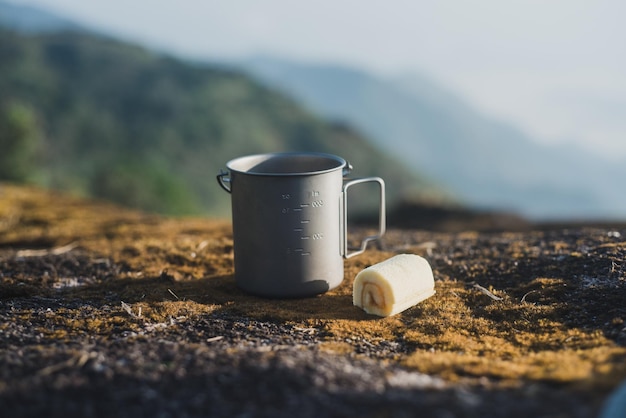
x=109 y=312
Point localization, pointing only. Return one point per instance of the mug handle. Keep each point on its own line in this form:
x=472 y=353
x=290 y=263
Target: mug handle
x=381 y=215
x=222 y=180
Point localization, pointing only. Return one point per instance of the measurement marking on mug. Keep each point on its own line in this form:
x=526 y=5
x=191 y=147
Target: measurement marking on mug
x=305 y=221
x=297 y=209
x=304 y=205
x=298 y=250
x=306 y=254
x=305 y=237
x=298 y=229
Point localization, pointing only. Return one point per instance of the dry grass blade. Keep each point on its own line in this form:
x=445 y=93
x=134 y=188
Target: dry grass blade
x=129 y=310
x=526 y=294
x=487 y=292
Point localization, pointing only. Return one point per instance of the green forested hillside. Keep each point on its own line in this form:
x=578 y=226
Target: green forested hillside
x=110 y=120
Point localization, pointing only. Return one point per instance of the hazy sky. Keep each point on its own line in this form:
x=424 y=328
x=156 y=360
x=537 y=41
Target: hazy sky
x=556 y=68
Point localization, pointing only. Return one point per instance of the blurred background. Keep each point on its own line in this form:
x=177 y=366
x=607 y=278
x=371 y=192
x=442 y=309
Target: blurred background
x=502 y=112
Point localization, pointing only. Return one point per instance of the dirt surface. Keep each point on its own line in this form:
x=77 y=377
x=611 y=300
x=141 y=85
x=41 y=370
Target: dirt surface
x=109 y=312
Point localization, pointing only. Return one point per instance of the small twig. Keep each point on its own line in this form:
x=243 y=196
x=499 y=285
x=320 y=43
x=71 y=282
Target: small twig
x=213 y=339
x=428 y=245
x=54 y=251
x=76 y=361
x=46 y=371
x=306 y=330
x=64 y=249
x=487 y=292
x=174 y=294
x=83 y=359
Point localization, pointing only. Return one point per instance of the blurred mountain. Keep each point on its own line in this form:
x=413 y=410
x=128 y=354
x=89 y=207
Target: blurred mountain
x=31 y=19
x=487 y=163
x=103 y=118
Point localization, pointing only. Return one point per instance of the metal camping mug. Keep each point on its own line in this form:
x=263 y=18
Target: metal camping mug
x=289 y=214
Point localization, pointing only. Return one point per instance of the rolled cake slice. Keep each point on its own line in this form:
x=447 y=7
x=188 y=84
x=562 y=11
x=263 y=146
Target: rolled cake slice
x=394 y=285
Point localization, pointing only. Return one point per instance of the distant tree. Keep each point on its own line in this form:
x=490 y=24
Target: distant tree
x=145 y=185
x=19 y=139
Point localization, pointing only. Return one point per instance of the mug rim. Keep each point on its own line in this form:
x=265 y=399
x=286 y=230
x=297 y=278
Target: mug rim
x=249 y=164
